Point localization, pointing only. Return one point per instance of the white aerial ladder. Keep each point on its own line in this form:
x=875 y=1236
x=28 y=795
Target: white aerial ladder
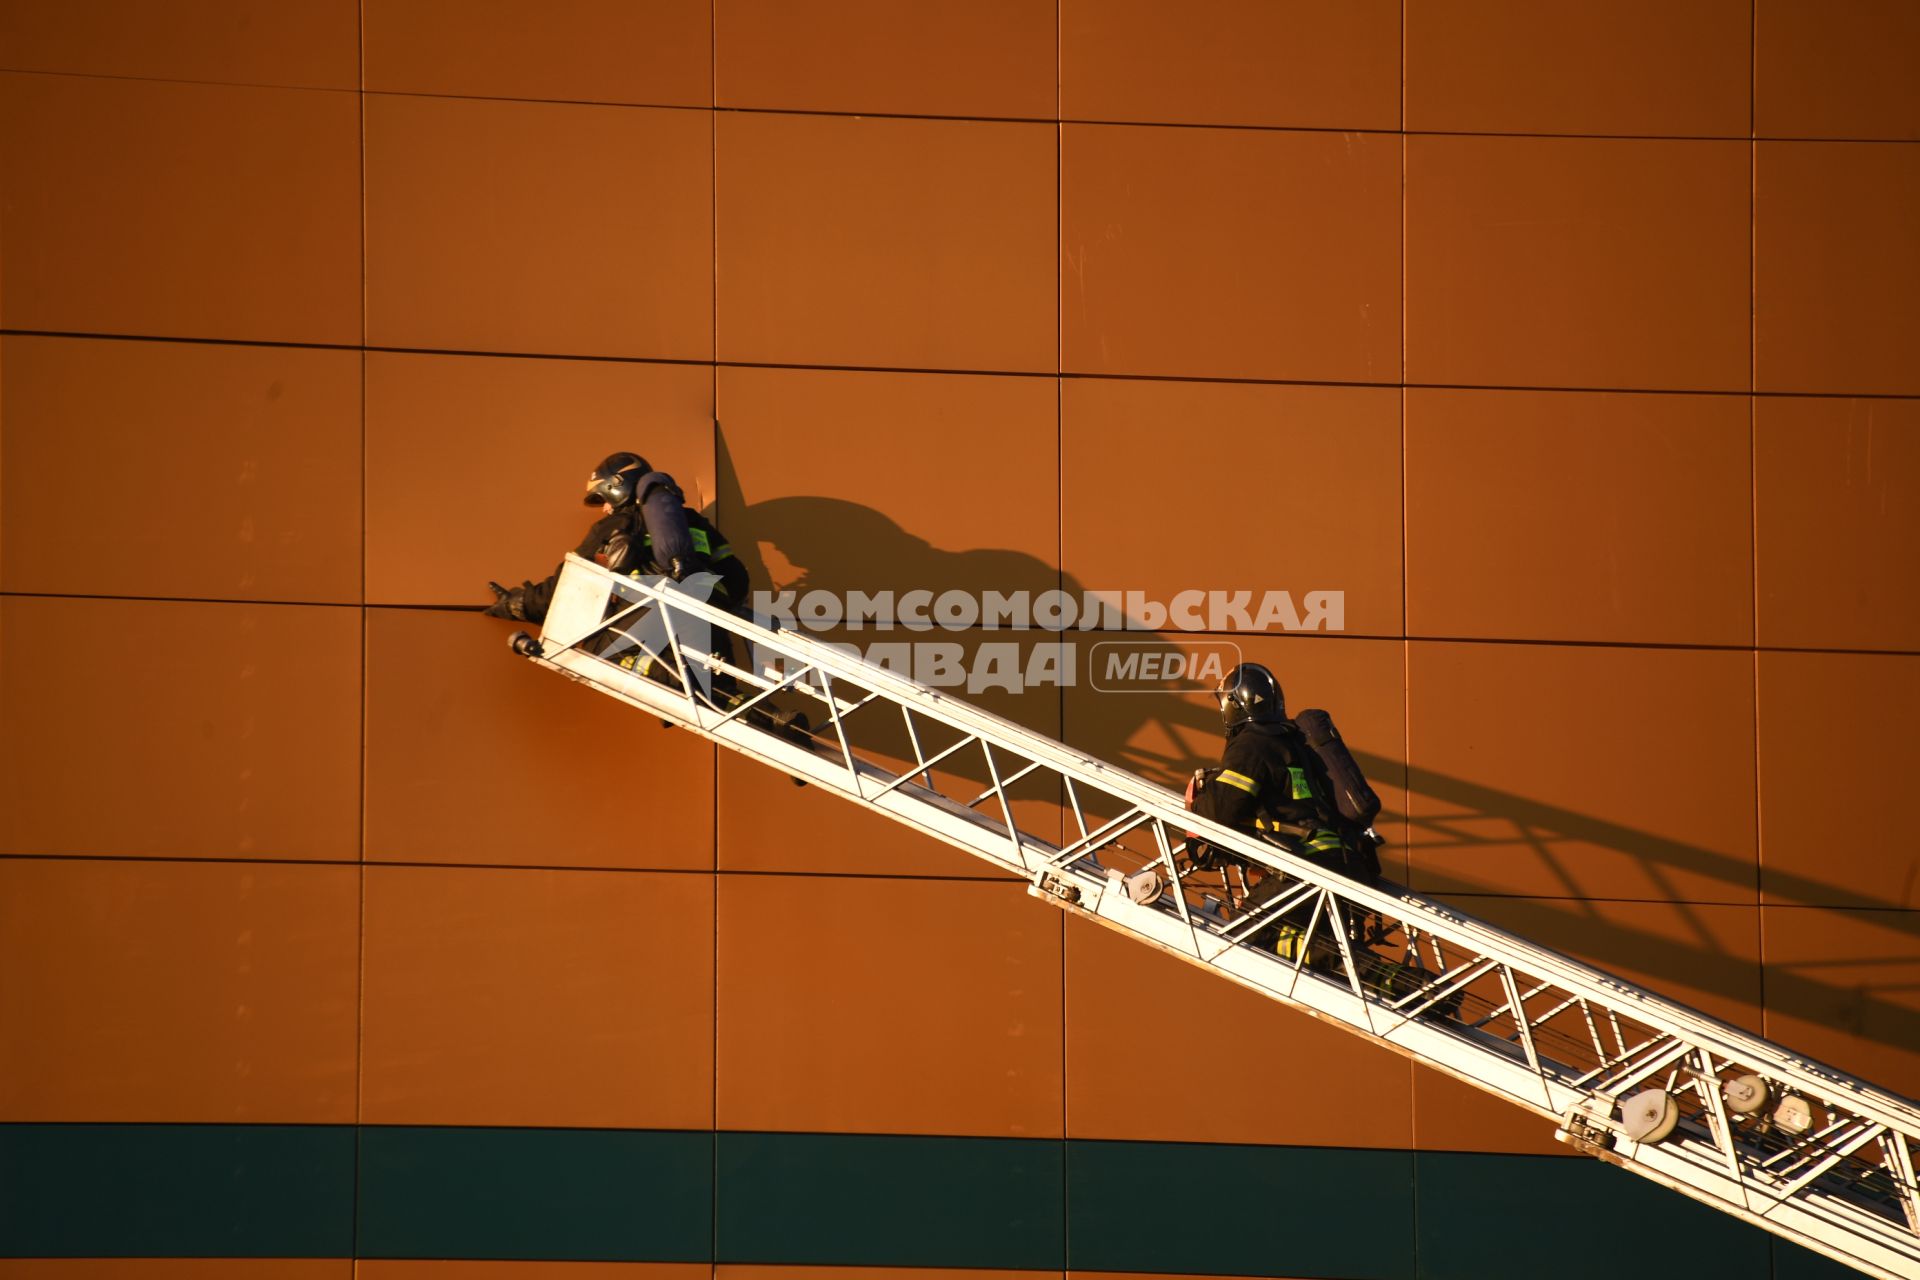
x=1735 y=1121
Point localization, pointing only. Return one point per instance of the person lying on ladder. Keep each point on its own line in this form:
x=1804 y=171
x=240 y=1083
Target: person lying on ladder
x=646 y=528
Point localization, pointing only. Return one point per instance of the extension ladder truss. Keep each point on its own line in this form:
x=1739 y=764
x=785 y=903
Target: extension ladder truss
x=1794 y=1146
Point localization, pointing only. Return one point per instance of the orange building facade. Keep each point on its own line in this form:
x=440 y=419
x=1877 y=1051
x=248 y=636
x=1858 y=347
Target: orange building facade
x=1577 y=347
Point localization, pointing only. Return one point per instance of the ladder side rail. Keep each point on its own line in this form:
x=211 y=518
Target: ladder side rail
x=1154 y=805
x=1567 y=974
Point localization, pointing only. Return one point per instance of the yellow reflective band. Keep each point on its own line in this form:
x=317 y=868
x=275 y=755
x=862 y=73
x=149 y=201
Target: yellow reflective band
x=1323 y=841
x=700 y=543
x=1239 y=780
x=723 y=552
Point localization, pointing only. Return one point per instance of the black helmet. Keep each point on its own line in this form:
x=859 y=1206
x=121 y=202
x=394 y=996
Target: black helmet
x=613 y=480
x=1249 y=694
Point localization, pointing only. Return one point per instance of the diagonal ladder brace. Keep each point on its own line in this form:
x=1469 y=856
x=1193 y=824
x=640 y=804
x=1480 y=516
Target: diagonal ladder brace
x=1826 y=1159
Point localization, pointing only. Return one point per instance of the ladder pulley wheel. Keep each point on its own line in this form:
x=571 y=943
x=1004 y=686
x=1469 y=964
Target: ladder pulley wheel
x=1650 y=1116
x=1745 y=1095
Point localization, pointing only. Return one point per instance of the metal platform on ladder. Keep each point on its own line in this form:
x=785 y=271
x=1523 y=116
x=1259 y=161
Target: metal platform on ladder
x=1733 y=1120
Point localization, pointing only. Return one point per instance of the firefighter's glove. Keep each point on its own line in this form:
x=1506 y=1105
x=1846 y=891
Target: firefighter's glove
x=508 y=604
x=1201 y=855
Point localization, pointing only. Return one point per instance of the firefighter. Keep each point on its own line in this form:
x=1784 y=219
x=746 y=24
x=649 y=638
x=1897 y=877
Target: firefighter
x=645 y=528
x=1270 y=782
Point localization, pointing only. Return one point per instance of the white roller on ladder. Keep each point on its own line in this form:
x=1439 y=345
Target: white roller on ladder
x=1735 y=1121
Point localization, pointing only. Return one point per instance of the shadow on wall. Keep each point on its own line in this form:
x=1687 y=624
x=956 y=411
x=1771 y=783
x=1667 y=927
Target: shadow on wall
x=1790 y=992
x=801 y=543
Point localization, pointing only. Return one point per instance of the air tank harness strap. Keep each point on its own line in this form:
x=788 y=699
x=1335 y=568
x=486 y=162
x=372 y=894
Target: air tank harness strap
x=1316 y=839
x=701 y=543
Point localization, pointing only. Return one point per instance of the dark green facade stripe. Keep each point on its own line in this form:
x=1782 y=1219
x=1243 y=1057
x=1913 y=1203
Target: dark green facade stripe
x=1584 y=1219
x=176 y=1191
x=1294 y=1211
x=1791 y=1262
x=882 y=1200
x=290 y=1191
x=562 y=1194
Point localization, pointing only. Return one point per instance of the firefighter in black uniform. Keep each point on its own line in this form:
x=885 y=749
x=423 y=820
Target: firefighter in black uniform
x=646 y=528
x=1270 y=782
